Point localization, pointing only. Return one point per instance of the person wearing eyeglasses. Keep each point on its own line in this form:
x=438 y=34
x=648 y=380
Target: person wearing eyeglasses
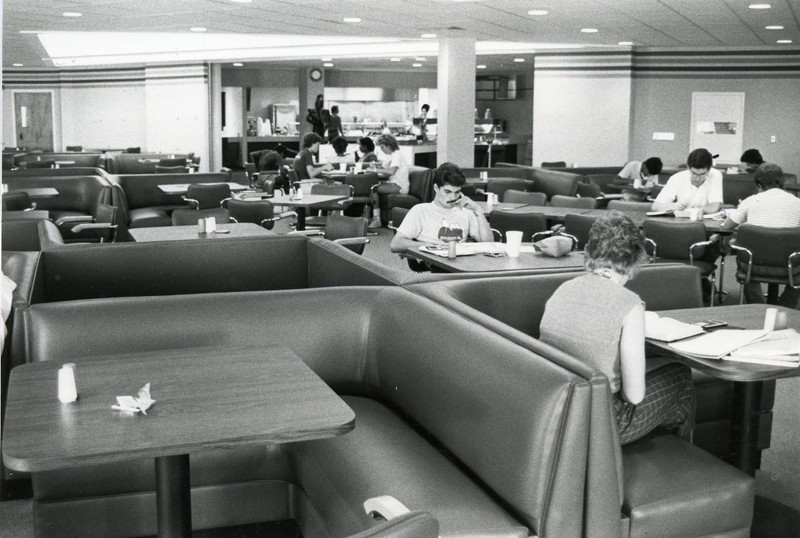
x=700 y=186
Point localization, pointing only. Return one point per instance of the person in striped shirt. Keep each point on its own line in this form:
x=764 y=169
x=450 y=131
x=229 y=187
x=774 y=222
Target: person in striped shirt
x=771 y=207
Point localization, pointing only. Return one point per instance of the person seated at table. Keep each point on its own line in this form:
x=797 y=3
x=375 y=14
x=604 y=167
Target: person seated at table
x=771 y=207
x=271 y=169
x=751 y=159
x=699 y=186
x=396 y=168
x=367 y=148
x=304 y=165
x=643 y=174
x=340 y=147
x=597 y=320
x=270 y=160
x=449 y=208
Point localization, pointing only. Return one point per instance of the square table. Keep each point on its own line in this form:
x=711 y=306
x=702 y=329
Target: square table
x=304 y=203
x=747 y=377
x=205 y=398
x=180 y=233
x=181 y=188
x=479 y=262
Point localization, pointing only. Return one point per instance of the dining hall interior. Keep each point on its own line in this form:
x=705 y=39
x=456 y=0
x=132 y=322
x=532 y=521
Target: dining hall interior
x=204 y=337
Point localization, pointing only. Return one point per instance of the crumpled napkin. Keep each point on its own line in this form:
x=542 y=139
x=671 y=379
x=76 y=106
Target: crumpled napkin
x=555 y=246
x=139 y=404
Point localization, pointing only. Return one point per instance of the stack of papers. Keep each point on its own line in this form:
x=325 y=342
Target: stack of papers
x=466 y=249
x=778 y=348
x=668 y=329
x=667 y=213
x=717 y=344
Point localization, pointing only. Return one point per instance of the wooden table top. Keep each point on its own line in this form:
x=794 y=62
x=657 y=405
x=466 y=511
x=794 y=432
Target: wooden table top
x=480 y=262
x=205 y=398
x=749 y=316
x=181 y=233
x=181 y=188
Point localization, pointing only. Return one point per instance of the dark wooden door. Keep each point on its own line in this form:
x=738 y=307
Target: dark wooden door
x=34 y=120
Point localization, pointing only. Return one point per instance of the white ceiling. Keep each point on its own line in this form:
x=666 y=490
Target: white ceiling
x=647 y=23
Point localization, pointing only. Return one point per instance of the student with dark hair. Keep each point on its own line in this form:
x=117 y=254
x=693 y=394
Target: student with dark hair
x=316 y=116
x=334 y=124
x=750 y=160
x=644 y=174
x=610 y=320
x=699 y=186
x=771 y=207
x=304 y=165
x=367 y=148
x=423 y=221
x=340 y=147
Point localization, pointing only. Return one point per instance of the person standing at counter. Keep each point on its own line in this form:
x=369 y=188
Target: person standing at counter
x=316 y=117
x=304 y=165
x=396 y=168
x=335 y=125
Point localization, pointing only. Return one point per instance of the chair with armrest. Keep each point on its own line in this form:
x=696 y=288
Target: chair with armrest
x=554 y=164
x=260 y=212
x=398 y=521
x=363 y=187
x=188 y=217
x=499 y=186
x=528 y=223
x=559 y=200
x=101 y=229
x=514 y=196
x=329 y=208
x=625 y=205
x=579 y=226
x=683 y=242
x=768 y=255
x=350 y=232
x=589 y=190
x=207 y=196
x=18 y=201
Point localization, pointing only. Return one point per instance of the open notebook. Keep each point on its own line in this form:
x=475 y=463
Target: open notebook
x=668 y=329
x=777 y=348
x=717 y=344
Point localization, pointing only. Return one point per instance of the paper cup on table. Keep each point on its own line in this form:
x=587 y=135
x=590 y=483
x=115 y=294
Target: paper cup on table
x=770 y=318
x=343 y=167
x=201 y=226
x=211 y=225
x=695 y=213
x=513 y=243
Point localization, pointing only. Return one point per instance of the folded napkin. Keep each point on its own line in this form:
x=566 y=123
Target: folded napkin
x=555 y=246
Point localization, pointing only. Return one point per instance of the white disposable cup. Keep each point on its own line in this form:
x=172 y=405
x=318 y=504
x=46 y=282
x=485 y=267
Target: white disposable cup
x=201 y=226
x=67 y=390
x=484 y=175
x=770 y=318
x=695 y=213
x=211 y=225
x=513 y=243
x=343 y=167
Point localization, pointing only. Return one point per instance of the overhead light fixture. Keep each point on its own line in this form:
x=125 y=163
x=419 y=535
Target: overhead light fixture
x=420 y=59
x=428 y=36
x=71 y=14
x=198 y=29
x=589 y=30
x=237 y=64
x=17 y=65
x=416 y=65
x=519 y=60
x=480 y=66
x=537 y=12
x=625 y=43
x=394 y=59
x=784 y=41
x=759 y=6
x=774 y=27
x=351 y=19
x=327 y=64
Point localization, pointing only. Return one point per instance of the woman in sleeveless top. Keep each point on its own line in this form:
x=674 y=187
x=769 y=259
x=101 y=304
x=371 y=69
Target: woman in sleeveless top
x=597 y=320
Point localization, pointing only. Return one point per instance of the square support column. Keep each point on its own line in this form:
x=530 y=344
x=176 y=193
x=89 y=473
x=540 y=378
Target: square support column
x=455 y=138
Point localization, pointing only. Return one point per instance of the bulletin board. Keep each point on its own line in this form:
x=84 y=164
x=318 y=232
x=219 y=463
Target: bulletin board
x=717 y=124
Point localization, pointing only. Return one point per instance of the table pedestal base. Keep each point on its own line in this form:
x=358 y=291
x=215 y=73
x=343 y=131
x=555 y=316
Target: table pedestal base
x=744 y=424
x=173 y=496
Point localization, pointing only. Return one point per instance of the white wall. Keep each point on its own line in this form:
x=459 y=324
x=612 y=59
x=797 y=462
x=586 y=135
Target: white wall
x=103 y=117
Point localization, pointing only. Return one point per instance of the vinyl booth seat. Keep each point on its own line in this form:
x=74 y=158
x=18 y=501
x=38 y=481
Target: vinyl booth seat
x=143 y=204
x=487 y=436
x=657 y=486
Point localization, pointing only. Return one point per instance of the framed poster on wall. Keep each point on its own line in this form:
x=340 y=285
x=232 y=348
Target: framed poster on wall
x=717 y=124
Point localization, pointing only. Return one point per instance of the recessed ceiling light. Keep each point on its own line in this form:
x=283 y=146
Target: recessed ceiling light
x=237 y=64
x=589 y=30
x=72 y=14
x=519 y=60
x=625 y=43
x=420 y=59
x=17 y=65
x=774 y=27
x=537 y=12
x=759 y=6
x=351 y=19
x=394 y=59
x=327 y=64
x=416 y=65
x=428 y=36
x=198 y=29
x=480 y=66
x=784 y=41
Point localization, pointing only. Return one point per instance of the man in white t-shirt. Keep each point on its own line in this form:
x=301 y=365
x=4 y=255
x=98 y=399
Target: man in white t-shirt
x=771 y=207
x=396 y=168
x=644 y=174
x=450 y=208
x=699 y=186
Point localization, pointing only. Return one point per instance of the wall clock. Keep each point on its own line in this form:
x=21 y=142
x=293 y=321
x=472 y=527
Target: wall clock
x=315 y=74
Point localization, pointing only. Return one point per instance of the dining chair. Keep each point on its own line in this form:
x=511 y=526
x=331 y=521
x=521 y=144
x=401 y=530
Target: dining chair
x=589 y=190
x=527 y=223
x=767 y=255
x=363 y=188
x=18 y=201
x=579 y=227
x=560 y=200
x=327 y=208
x=683 y=242
x=625 y=205
x=499 y=186
x=207 y=196
x=514 y=196
x=100 y=227
x=350 y=232
x=260 y=212
x=187 y=217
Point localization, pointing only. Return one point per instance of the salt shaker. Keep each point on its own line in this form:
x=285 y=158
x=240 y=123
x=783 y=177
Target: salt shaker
x=67 y=390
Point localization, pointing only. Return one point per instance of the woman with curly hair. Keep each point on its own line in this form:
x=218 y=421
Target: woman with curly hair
x=597 y=320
